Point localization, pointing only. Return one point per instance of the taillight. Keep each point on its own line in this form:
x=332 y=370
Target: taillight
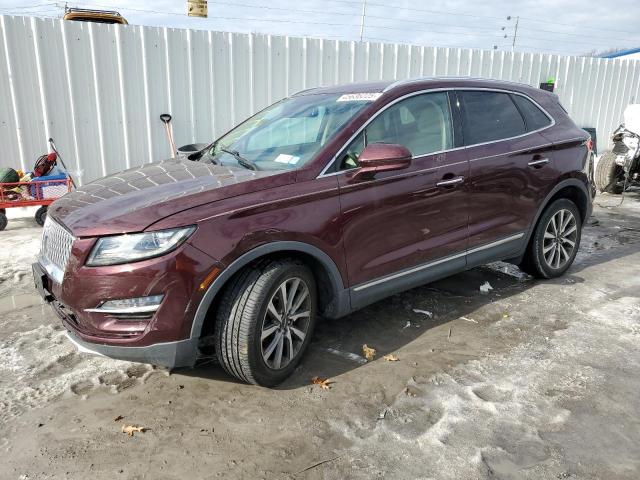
x=590 y=144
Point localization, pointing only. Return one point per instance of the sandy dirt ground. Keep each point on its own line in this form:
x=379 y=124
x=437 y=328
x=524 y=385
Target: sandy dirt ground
x=527 y=380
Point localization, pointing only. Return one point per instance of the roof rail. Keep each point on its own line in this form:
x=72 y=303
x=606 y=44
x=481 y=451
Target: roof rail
x=300 y=92
x=409 y=81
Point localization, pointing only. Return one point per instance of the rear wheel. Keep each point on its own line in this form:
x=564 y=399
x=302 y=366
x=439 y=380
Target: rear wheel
x=555 y=241
x=41 y=215
x=609 y=175
x=3 y=221
x=265 y=321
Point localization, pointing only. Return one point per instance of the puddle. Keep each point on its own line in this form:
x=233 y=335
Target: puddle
x=18 y=302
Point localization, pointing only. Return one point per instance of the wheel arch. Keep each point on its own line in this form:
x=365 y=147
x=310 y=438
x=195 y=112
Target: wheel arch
x=571 y=188
x=332 y=294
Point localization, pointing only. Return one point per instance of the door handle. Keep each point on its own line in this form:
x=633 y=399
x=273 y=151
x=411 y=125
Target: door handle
x=450 y=182
x=538 y=163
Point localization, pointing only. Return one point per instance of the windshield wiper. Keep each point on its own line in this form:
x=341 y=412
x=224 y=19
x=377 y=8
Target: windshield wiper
x=245 y=162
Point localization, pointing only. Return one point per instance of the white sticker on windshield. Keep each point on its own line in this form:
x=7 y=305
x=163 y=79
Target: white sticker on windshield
x=288 y=159
x=359 y=97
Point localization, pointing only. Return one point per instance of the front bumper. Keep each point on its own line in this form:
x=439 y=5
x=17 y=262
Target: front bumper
x=170 y=354
x=163 y=338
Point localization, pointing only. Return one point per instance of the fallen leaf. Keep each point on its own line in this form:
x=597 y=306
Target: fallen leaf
x=130 y=429
x=369 y=353
x=391 y=358
x=324 y=383
x=118 y=418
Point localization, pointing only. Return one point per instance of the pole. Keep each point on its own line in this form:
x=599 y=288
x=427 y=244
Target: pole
x=515 y=35
x=53 y=147
x=364 y=11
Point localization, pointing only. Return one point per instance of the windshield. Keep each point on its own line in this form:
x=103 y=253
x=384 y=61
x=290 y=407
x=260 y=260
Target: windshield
x=289 y=133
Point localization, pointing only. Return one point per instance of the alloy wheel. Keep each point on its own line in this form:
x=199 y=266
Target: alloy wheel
x=559 y=240
x=286 y=323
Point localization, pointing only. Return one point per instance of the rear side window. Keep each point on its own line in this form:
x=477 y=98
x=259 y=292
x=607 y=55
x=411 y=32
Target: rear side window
x=534 y=118
x=489 y=116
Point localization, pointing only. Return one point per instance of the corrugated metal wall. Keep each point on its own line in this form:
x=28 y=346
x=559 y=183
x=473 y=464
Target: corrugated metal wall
x=98 y=90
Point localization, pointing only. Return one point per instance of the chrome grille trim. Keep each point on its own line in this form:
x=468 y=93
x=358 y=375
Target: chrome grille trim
x=55 y=249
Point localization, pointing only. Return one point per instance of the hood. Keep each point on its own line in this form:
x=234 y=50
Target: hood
x=132 y=200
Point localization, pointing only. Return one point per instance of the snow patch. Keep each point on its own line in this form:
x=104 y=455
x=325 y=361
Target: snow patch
x=39 y=365
x=485 y=287
x=20 y=246
x=490 y=415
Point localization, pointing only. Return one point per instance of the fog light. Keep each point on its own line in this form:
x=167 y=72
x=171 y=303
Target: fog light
x=129 y=305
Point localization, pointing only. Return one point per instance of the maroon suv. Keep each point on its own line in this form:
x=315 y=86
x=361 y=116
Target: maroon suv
x=322 y=203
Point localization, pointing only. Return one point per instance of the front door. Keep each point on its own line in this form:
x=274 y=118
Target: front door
x=405 y=227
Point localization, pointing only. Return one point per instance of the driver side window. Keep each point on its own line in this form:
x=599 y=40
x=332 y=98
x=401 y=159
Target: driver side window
x=421 y=123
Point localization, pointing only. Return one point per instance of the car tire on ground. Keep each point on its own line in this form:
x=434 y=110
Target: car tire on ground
x=555 y=240
x=3 y=221
x=265 y=321
x=609 y=175
x=41 y=215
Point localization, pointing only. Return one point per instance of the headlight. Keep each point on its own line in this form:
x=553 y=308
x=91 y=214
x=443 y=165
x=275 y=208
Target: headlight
x=138 y=246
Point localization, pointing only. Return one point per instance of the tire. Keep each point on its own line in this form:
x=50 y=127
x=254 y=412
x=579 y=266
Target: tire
x=41 y=216
x=549 y=255
x=609 y=174
x=243 y=318
x=3 y=221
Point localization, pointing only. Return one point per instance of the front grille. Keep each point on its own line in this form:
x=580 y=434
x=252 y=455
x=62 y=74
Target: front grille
x=55 y=249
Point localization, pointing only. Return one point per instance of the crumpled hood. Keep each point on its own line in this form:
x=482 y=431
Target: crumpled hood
x=134 y=199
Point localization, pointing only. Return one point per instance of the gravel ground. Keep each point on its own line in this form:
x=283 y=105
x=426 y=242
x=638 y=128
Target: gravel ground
x=532 y=379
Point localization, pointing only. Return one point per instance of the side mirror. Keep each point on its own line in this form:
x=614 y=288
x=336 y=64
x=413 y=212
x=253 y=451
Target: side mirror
x=381 y=157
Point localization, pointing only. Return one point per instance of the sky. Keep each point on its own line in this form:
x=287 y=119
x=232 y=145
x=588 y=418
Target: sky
x=572 y=27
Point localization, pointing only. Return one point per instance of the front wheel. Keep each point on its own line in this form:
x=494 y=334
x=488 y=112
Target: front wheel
x=3 y=221
x=609 y=175
x=265 y=321
x=555 y=241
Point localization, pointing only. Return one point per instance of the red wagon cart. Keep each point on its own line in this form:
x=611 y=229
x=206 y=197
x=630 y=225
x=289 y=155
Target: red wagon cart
x=41 y=192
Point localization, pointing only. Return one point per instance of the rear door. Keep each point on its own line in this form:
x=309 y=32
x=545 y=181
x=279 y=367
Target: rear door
x=511 y=166
x=401 y=222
